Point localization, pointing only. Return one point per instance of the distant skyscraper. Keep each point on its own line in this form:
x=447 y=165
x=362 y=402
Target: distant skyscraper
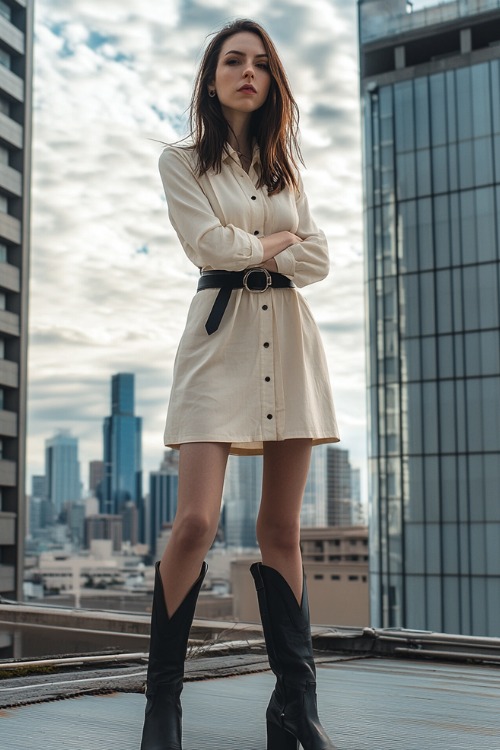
x=313 y=512
x=242 y=490
x=163 y=485
x=358 y=509
x=96 y=475
x=16 y=63
x=104 y=526
x=62 y=470
x=122 y=448
x=39 y=486
x=339 y=472
x=76 y=523
x=430 y=85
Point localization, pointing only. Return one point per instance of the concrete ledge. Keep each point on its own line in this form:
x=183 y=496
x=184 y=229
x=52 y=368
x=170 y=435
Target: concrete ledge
x=117 y=622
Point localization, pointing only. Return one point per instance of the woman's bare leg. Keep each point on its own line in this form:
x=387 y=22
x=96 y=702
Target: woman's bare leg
x=202 y=468
x=286 y=465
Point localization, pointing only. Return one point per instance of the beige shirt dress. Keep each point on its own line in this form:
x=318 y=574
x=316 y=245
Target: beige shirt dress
x=263 y=374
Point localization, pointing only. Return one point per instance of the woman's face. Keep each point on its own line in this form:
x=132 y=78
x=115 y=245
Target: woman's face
x=242 y=77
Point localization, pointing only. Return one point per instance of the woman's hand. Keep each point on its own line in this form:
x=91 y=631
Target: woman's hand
x=270 y=265
x=277 y=242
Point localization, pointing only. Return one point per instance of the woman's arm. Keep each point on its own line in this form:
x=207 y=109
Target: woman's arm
x=205 y=240
x=306 y=261
x=274 y=244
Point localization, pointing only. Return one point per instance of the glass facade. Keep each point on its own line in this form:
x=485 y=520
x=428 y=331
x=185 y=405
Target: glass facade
x=62 y=470
x=432 y=226
x=122 y=433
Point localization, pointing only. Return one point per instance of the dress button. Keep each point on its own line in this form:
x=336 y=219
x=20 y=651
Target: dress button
x=266 y=344
x=264 y=307
x=254 y=197
x=269 y=416
x=256 y=231
x=267 y=379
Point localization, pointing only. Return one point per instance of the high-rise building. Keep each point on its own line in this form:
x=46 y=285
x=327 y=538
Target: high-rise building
x=339 y=487
x=314 y=503
x=122 y=480
x=96 y=475
x=76 y=523
x=38 y=486
x=242 y=490
x=62 y=470
x=430 y=88
x=104 y=526
x=358 y=508
x=163 y=485
x=16 y=64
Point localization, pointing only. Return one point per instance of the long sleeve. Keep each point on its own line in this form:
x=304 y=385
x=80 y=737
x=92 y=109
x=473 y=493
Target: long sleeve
x=204 y=238
x=308 y=261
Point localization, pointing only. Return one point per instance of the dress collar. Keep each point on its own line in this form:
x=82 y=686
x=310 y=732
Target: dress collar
x=231 y=153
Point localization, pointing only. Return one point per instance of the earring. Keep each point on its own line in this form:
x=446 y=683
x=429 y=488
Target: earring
x=211 y=93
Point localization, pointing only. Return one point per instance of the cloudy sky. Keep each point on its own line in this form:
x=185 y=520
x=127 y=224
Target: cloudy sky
x=110 y=286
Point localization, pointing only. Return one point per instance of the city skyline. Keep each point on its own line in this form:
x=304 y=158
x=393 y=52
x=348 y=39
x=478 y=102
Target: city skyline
x=110 y=284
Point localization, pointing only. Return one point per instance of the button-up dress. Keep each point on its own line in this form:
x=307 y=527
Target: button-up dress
x=262 y=376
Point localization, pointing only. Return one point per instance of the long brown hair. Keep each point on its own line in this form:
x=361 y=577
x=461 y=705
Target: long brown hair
x=274 y=125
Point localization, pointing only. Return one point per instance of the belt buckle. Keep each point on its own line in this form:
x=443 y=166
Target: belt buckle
x=247 y=275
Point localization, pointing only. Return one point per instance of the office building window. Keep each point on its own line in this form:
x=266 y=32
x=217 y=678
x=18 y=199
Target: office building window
x=4 y=204
x=4 y=106
x=3 y=301
x=3 y=253
x=4 y=155
x=5 y=10
x=5 y=58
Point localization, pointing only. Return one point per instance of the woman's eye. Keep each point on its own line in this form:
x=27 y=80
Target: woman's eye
x=263 y=66
x=232 y=62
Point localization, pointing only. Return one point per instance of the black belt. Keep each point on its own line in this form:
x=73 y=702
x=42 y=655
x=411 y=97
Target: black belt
x=253 y=280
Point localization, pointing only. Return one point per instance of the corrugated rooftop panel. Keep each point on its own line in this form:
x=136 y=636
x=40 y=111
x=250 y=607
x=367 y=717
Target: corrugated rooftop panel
x=365 y=704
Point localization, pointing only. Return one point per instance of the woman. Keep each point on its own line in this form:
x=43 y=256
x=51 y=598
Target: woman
x=250 y=375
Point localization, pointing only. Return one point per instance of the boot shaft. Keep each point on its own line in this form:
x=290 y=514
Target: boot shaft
x=169 y=635
x=286 y=626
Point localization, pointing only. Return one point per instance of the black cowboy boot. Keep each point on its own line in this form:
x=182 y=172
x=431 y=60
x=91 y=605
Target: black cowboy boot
x=167 y=652
x=292 y=714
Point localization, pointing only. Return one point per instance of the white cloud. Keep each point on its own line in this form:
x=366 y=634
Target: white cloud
x=111 y=79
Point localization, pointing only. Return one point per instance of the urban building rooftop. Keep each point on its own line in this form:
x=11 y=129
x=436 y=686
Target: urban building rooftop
x=377 y=690
x=383 y=18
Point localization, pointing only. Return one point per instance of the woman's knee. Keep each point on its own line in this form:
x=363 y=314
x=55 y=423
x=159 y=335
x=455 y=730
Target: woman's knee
x=194 y=530
x=282 y=534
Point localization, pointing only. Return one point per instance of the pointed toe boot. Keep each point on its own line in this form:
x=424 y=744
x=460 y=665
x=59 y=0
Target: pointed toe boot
x=167 y=652
x=292 y=713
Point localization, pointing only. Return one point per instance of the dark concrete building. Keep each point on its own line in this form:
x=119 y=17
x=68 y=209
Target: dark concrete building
x=430 y=89
x=16 y=61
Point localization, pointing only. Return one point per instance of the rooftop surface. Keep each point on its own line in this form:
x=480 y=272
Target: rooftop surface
x=377 y=690
x=366 y=703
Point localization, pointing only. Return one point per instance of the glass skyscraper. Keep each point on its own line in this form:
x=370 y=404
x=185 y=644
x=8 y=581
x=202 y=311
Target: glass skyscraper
x=163 y=489
x=430 y=88
x=16 y=65
x=242 y=490
x=122 y=433
x=62 y=470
